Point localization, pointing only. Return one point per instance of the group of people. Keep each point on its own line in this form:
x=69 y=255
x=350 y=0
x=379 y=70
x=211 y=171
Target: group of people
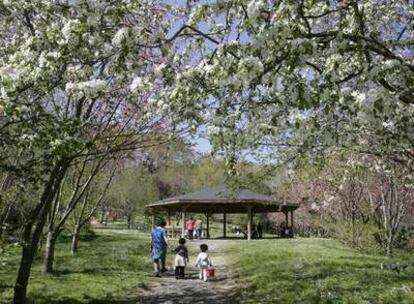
x=159 y=246
x=194 y=228
x=256 y=232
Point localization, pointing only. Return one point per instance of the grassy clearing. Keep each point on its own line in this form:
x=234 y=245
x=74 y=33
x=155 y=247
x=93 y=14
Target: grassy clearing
x=316 y=271
x=113 y=266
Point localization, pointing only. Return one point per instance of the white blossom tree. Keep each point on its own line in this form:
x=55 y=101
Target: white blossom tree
x=85 y=77
x=301 y=76
x=75 y=80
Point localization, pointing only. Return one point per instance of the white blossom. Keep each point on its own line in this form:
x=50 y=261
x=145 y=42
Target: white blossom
x=388 y=125
x=120 y=36
x=136 y=84
x=253 y=64
x=159 y=70
x=390 y=63
x=56 y=143
x=91 y=88
x=213 y=130
x=360 y=97
x=209 y=68
x=79 y=72
x=255 y=7
x=296 y=115
x=67 y=29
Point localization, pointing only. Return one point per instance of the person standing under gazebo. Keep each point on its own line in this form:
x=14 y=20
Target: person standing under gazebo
x=199 y=227
x=190 y=228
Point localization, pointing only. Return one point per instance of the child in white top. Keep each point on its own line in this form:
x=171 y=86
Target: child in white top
x=203 y=262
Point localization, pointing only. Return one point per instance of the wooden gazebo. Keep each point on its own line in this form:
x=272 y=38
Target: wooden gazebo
x=221 y=200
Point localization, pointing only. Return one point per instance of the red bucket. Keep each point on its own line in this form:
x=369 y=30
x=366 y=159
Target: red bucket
x=210 y=272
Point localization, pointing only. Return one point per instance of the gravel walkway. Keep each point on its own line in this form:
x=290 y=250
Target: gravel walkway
x=192 y=290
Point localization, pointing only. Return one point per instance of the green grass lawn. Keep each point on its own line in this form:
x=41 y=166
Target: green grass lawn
x=113 y=266
x=316 y=271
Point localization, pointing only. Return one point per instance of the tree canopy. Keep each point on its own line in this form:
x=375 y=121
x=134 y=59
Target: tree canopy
x=89 y=81
x=301 y=76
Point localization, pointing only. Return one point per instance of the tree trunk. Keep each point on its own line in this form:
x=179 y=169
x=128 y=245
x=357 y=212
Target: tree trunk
x=102 y=219
x=28 y=252
x=78 y=226
x=389 y=244
x=49 y=252
x=104 y=216
x=75 y=239
x=3 y=220
x=129 y=219
x=39 y=246
x=32 y=236
x=30 y=245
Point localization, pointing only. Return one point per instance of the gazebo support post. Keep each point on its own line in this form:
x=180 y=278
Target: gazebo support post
x=224 y=224
x=208 y=225
x=152 y=221
x=169 y=217
x=249 y=222
x=183 y=223
x=286 y=219
x=183 y=209
x=291 y=220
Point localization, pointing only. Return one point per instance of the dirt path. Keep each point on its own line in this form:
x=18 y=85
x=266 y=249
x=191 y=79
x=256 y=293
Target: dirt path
x=192 y=290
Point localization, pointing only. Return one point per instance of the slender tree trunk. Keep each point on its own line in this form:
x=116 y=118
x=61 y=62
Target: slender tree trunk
x=78 y=225
x=30 y=244
x=389 y=244
x=129 y=219
x=28 y=252
x=80 y=221
x=39 y=246
x=102 y=219
x=75 y=239
x=49 y=252
x=3 y=220
x=33 y=231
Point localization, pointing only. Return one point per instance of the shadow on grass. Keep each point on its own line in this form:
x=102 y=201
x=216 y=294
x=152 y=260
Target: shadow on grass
x=241 y=238
x=65 y=238
x=101 y=270
x=359 y=272
x=104 y=300
x=188 y=295
x=190 y=291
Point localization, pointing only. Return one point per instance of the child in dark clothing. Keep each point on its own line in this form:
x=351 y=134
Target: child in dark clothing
x=181 y=259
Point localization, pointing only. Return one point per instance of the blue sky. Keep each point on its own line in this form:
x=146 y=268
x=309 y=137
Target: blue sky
x=202 y=145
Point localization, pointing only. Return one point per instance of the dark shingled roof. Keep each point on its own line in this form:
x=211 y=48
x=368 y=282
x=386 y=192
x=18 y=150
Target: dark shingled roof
x=220 y=199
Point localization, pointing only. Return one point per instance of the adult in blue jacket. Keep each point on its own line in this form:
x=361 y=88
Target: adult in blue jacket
x=159 y=245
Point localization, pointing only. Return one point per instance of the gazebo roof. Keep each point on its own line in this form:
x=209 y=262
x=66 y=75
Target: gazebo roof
x=221 y=200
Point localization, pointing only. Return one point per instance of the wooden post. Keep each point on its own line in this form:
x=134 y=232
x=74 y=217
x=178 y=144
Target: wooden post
x=152 y=221
x=291 y=220
x=224 y=225
x=183 y=222
x=286 y=219
x=249 y=222
x=169 y=218
x=208 y=225
x=169 y=228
